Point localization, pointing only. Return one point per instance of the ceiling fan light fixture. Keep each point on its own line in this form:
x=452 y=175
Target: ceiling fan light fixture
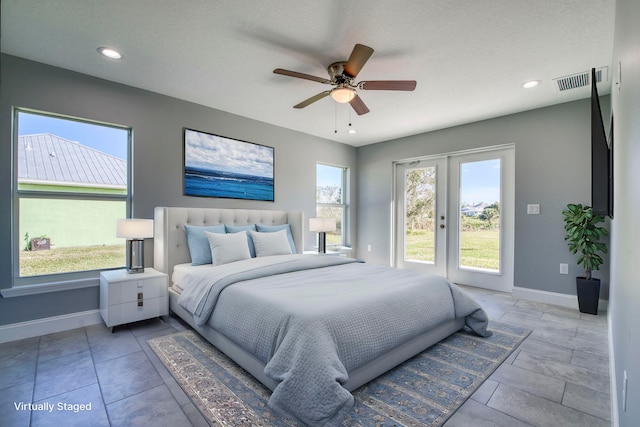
x=343 y=94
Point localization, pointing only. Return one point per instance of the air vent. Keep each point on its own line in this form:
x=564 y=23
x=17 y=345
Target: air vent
x=575 y=81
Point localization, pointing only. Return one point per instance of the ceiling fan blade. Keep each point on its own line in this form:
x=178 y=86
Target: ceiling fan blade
x=388 y=85
x=300 y=75
x=313 y=99
x=359 y=106
x=359 y=56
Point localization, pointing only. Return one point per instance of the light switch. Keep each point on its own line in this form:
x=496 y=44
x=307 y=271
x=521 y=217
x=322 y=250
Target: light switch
x=533 y=209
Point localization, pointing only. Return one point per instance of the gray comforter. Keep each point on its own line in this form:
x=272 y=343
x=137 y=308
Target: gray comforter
x=311 y=319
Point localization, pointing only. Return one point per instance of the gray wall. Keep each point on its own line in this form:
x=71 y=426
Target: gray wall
x=624 y=301
x=552 y=168
x=157 y=123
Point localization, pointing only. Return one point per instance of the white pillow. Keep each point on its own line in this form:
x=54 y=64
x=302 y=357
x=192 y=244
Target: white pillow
x=274 y=243
x=226 y=248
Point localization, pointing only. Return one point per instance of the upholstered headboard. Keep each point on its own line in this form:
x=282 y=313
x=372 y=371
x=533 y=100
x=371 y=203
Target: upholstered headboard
x=170 y=240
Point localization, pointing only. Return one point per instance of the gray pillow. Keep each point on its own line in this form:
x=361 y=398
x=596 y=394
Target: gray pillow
x=272 y=228
x=273 y=243
x=226 y=248
x=246 y=229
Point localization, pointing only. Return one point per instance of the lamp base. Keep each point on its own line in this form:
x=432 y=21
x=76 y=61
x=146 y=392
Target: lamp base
x=322 y=242
x=135 y=256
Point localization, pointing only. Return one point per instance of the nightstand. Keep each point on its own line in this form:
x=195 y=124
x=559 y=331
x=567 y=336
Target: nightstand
x=129 y=297
x=342 y=251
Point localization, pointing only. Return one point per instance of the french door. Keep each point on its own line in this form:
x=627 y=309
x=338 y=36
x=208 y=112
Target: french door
x=421 y=215
x=454 y=217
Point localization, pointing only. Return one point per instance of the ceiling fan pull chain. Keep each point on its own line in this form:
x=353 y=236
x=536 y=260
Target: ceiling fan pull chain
x=351 y=129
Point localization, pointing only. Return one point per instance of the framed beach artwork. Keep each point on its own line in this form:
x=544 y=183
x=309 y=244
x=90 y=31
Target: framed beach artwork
x=217 y=166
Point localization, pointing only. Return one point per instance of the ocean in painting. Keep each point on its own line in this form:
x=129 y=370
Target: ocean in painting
x=213 y=183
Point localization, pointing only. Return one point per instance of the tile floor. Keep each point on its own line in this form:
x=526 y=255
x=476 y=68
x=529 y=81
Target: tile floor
x=558 y=377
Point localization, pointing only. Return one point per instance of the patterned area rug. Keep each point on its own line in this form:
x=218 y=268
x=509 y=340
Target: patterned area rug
x=423 y=391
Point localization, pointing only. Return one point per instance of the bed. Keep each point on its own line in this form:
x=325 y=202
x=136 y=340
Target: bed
x=309 y=378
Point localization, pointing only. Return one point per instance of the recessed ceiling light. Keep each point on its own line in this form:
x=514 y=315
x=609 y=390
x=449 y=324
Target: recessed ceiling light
x=530 y=84
x=109 y=53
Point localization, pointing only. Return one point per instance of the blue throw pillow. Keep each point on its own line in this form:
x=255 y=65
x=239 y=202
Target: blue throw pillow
x=245 y=229
x=199 y=244
x=272 y=228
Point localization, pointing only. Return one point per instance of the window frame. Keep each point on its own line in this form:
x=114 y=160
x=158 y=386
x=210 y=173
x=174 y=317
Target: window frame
x=26 y=285
x=346 y=194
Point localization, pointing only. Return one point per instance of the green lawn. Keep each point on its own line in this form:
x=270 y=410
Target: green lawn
x=64 y=260
x=480 y=249
x=419 y=246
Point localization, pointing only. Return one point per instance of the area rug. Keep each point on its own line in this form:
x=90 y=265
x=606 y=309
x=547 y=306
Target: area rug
x=423 y=391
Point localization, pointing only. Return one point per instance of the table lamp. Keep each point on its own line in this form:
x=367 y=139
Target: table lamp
x=135 y=231
x=322 y=225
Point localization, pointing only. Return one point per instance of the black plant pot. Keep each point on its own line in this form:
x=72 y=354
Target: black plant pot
x=588 y=294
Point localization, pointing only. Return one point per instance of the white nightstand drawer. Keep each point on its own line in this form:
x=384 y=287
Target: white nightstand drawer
x=132 y=312
x=128 y=291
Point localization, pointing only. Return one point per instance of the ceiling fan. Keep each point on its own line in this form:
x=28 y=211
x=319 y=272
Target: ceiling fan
x=342 y=75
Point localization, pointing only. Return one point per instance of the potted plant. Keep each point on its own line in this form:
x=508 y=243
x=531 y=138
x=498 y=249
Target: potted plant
x=583 y=233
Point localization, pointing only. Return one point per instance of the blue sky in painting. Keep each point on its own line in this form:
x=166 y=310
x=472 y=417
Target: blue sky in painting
x=206 y=151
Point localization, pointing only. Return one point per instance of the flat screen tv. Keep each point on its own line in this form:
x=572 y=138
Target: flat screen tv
x=601 y=197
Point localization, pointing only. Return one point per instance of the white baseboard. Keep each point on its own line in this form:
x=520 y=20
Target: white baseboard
x=555 y=298
x=49 y=325
x=615 y=420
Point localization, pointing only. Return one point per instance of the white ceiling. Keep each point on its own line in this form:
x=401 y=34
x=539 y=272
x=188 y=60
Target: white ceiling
x=469 y=57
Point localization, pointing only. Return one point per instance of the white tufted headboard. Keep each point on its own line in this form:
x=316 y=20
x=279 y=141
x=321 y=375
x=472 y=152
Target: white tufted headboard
x=170 y=240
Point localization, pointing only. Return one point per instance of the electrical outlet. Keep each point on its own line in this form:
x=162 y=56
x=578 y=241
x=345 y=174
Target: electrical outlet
x=368 y=248
x=564 y=268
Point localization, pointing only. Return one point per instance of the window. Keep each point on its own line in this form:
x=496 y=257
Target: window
x=332 y=200
x=71 y=185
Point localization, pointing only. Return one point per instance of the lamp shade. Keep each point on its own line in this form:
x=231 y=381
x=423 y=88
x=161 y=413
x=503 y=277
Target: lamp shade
x=133 y=228
x=322 y=224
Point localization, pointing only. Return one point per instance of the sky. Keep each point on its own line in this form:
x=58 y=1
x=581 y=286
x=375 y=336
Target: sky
x=328 y=176
x=480 y=181
x=107 y=139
